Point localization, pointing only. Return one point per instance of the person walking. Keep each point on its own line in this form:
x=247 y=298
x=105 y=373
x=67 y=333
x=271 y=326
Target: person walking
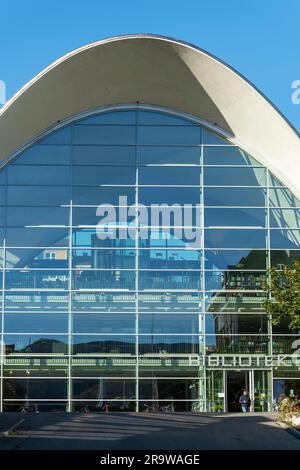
x=245 y=402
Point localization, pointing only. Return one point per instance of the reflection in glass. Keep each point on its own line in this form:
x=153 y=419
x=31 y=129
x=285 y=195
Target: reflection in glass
x=37 y=388
x=224 y=344
x=35 y=344
x=103 y=389
x=220 y=323
x=106 y=312
x=252 y=197
x=235 y=302
x=35 y=323
x=284 y=257
x=233 y=176
x=234 y=280
x=235 y=259
x=170 y=324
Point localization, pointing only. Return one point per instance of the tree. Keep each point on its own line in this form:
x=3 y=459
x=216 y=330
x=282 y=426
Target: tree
x=283 y=287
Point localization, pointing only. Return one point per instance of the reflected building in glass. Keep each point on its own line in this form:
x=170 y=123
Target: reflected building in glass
x=141 y=313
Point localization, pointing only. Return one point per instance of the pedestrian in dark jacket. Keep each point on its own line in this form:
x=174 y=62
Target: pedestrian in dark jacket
x=245 y=402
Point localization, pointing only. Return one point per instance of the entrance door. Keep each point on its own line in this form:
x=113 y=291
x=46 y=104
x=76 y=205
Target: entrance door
x=236 y=382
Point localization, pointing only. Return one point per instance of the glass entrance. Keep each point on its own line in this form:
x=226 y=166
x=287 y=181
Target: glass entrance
x=236 y=382
x=256 y=382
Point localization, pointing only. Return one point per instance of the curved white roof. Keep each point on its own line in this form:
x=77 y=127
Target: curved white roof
x=160 y=71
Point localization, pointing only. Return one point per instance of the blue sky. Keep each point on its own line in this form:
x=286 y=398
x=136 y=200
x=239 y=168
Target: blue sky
x=260 y=38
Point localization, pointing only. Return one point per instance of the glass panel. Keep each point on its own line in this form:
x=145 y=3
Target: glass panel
x=96 y=406
x=157 y=344
x=36 y=279
x=161 y=118
x=1 y=236
x=235 y=259
x=61 y=136
x=168 y=367
x=183 y=176
x=103 y=155
x=289 y=239
x=85 y=195
x=35 y=367
x=178 y=389
x=285 y=344
x=2 y=215
x=235 y=302
x=183 y=280
x=283 y=198
x=83 y=216
x=22 y=216
x=274 y=181
x=234 y=280
x=168 y=155
x=36 y=406
x=103 y=367
x=103 y=259
x=215 y=391
x=2 y=195
x=210 y=138
x=235 y=217
x=37 y=195
x=285 y=218
x=231 y=176
x=33 y=175
x=89 y=238
x=112 y=279
x=217 y=238
x=286 y=387
x=35 y=323
x=97 y=175
x=103 y=301
x=177 y=302
x=148 y=196
x=34 y=344
x=166 y=135
x=45 y=155
x=102 y=389
x=223 y=344
x=117 y=117
x=37 y=388
x=1 y=257
x=103 y=323
x=162 y=215
x=227 y=155
x=49 y=258
x=184 y=238
x=103 y=135
x=108 y=344
x=251 y=197
x=34 y=237
x=169 y=259
x=284 y=257
x=220 y=323
x=170 y=323
x=36 y=300
x=171 y=406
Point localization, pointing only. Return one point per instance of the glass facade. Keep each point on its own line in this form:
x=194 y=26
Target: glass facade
x=134 y=247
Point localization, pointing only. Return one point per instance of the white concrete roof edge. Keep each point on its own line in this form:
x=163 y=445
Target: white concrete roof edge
x=137 y=36
x=263 y=131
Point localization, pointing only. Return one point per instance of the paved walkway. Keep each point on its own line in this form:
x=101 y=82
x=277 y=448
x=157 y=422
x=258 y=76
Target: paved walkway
x=120 y=431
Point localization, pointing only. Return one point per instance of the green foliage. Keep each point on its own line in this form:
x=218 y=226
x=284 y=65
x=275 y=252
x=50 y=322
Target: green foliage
x=283 y=287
